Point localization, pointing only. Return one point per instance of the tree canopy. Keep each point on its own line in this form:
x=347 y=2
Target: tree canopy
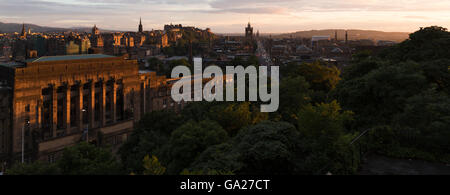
x=405 y=89
x=81 y=159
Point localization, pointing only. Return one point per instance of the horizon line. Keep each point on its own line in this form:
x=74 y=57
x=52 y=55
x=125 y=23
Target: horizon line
x=287 y=32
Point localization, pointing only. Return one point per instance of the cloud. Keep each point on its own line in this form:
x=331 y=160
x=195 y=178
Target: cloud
x=75 y=21
x=264 y=10
x=251 y=6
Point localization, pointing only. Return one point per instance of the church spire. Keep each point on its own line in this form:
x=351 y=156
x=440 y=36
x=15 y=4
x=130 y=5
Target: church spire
x=23 y=33
x=336 y=36
x=346 y=37
x=141 y=29
x=95 y=30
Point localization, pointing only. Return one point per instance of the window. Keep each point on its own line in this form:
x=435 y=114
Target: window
x=73 y=112
x=51 y=158
x=97 y=106
x=60 y=114
x=27 y=122
x=27 y=108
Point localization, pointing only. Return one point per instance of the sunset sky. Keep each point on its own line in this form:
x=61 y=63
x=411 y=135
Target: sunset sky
x=269 y=16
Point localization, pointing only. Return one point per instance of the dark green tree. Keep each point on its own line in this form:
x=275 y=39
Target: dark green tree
x=294 y=95
x=87 y=159
x=191 y=139
x=267 y=147
x=403 y=95
x=150 y=136
x=36 y=168
x=235 y=116
x=426 y=44
x=152 y=166
x=326 y=138
x=377 y=96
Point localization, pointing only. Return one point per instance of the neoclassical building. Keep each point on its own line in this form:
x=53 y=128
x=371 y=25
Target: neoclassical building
x=58 y=101
x=50 y=103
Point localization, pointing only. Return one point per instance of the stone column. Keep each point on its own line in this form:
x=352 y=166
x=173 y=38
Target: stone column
x=91 y=109
x=103 y=103
x=39 y=112
x=114 y=102
x=67 y=109
x=54 y=110
x=80 y=107
x=144 y=91
x=126 y=96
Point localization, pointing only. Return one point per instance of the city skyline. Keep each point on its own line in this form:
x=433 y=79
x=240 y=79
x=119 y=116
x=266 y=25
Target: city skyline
x=222 y=16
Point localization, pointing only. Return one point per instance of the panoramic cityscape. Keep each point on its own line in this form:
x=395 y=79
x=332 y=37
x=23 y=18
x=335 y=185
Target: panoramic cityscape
x=91 y=91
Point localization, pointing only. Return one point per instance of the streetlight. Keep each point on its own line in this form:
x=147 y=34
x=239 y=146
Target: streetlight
x=87 y=126
x=27 y=122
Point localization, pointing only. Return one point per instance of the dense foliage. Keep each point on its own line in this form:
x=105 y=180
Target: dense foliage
x=81 y=159
x=236 y=138
x=405 y=92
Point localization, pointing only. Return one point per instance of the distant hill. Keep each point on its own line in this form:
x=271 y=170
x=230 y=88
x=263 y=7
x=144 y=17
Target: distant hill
x=352 y=34
x=15 y=27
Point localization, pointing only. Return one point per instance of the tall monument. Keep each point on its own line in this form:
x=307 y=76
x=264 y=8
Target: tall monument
x=249 y=32
x=141 y=28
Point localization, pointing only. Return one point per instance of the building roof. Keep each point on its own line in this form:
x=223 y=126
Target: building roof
x=303 y=48
x=337 y=50
x=173 y=58
x=145 y=71
x=12 y=64
x=320 y=38
x=70 y=57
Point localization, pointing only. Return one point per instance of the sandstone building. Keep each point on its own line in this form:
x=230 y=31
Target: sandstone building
x=57 y=100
